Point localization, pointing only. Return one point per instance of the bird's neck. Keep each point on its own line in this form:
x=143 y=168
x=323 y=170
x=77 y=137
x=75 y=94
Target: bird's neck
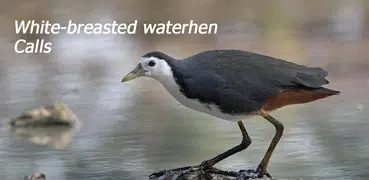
x=168 y=79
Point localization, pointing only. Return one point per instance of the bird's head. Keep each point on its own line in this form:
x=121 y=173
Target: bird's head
x=153 y=64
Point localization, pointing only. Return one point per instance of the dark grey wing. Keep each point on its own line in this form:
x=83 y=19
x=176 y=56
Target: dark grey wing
x=257 y=68
x=236 y=79
x=311 y=77
x=245 y=64
x=210 y=88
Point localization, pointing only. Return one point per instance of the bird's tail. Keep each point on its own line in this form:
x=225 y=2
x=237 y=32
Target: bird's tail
x=297 y=96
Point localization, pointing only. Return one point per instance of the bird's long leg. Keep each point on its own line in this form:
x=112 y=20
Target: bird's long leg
x=261 y=170
x=207 y=165
x=246 y=141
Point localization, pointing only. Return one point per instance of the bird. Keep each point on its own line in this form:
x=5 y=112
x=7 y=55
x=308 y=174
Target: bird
x=234 y=85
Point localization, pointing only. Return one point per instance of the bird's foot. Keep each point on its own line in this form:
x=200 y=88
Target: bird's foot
x=193 y=172
x=178 y=172
x=252 y=174
x=204 y=166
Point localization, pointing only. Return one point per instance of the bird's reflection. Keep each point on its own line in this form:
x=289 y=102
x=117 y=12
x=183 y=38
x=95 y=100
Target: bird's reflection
x=54 y=137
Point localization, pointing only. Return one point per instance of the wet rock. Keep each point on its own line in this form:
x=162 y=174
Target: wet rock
x=36 y=176
x=58 y=114
x=194 y=175
x=188 y=173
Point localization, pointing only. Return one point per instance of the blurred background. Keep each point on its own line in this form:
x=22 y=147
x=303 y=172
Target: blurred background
x=131 y=130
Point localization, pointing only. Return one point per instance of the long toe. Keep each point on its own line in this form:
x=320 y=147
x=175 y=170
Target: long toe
x=172 y=173
x=261 y=174
x=252 y=174
x=205 y=165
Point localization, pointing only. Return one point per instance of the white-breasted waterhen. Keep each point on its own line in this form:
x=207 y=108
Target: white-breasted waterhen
x=234 y=84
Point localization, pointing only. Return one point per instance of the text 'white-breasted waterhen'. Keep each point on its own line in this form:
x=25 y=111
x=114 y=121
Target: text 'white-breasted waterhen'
x=234 y=84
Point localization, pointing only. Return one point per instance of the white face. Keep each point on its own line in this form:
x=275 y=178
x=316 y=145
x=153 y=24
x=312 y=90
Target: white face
x=156 y=68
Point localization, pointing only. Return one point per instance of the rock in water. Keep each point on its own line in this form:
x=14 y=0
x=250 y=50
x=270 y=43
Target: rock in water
x=56 y=137
x=57 y=114
x=194 y=173
x=36 y=176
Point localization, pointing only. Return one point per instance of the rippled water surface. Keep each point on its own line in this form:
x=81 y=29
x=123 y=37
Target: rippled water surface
x=131 y=130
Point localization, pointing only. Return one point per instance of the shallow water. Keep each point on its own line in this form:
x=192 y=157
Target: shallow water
x=131 y=130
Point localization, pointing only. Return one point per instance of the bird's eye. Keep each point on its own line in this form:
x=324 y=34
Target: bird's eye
x=152 y=63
